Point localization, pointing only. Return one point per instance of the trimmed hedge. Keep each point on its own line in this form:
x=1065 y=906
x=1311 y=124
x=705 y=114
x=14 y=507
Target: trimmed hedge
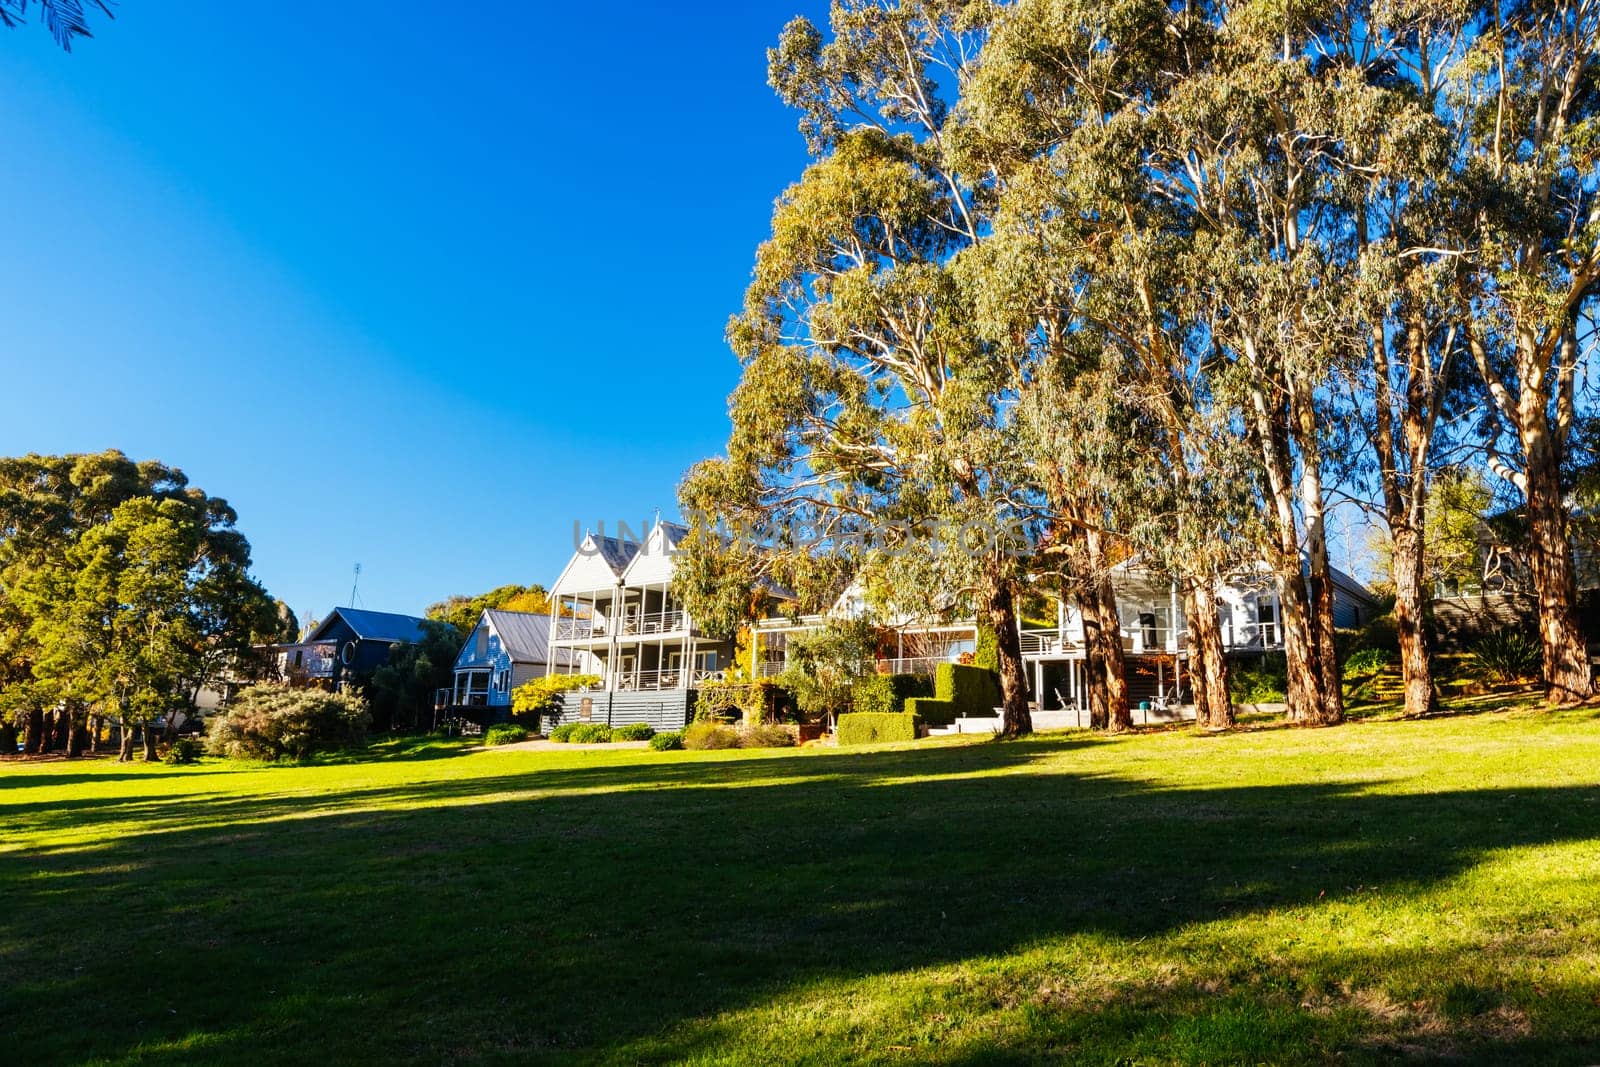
x=973 y=690
x=933 y=711
x=634 y=731
x=667 y=742
x=957 y=690
x=868 y=728
x=885 y=693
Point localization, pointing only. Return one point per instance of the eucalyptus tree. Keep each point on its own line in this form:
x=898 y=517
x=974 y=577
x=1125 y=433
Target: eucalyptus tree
x=1525 y=99
x=871 y=411
x=1068 y=109
x=66 y=20
x=1405 y=205
x=1249 y=147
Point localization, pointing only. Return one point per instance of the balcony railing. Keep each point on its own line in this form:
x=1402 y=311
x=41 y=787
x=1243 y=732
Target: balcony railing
x=1046 y=642
x=646 y=680
x=1252 y=635
x=654 y=622
x=581 y=629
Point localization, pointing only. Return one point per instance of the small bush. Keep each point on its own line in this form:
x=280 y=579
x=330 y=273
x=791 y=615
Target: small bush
x=706 y=734
x=1368 y=661
x=1507 y=656
x=505 y=733
x=766 y=735
x=634 y=731
x=183 y=750
x=863 y=728
x=563 y=733
x=590 y=733
x=269 y=722
x=888 y=692
x=668 y=741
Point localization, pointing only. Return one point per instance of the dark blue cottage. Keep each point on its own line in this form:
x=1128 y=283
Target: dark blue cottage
x=360 y=640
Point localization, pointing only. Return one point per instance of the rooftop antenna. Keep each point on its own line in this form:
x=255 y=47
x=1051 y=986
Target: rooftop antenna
x=354 y=585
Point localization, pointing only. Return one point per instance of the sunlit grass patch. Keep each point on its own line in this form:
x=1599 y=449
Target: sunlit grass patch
x=1423 y=889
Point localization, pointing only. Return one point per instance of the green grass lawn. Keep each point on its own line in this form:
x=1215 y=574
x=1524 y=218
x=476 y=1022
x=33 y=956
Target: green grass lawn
x=1388 y=888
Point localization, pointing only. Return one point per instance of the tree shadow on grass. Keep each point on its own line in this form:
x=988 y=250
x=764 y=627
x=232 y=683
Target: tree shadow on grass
x=620 y=911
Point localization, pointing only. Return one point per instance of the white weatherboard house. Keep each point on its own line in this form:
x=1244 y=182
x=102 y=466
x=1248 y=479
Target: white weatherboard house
x=1154 y=638
x=614 y=608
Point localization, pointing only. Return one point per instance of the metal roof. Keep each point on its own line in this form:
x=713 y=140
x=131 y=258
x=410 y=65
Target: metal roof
x=376 y=625
x=616 y=552
x=525 y=637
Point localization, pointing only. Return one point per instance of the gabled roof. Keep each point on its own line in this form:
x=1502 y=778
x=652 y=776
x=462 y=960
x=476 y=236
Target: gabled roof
x=525 y=637
x=615 y=551
x=374 y=625
x=653 y=560
x=595 y=558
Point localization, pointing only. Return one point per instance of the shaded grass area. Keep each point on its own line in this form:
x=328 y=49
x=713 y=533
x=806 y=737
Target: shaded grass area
x=1386 y=889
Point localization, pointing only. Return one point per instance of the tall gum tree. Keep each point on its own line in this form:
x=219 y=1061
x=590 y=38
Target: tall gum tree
x=1526 y=99
x=870 y=411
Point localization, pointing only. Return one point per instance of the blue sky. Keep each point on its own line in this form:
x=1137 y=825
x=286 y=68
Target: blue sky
x=407 y=288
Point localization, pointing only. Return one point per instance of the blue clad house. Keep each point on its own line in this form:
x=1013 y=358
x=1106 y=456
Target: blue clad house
x=351 y=643
x=505 y=649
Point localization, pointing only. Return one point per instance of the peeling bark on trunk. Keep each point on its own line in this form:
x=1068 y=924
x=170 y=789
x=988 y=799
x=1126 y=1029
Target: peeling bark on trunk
x=1325 y=649
x=1119 y=716
x=1304 y=696
x=1001 y=612
x=1410 y=624
x=1094 y=668
x=1562 y=641
x=1208 y=663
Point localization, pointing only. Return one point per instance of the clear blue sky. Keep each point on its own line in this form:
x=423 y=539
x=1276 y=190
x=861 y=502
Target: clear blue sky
x=407 y=287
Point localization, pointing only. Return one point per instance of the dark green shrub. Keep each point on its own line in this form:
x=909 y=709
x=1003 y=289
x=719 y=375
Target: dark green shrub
x=958 y=690
x=867 y=728
x=269 y=722
x=581 y=733
x=706 y=734
x=668 y=741
x=973 y=690
x=882 y=693
x=1368 y=660
x=987 y=656
x=1506 y=656
x=1259 y=680
x=505 y=733
x=931 y=711
x=183 y=750
x=634 y=731
x=766 y=735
